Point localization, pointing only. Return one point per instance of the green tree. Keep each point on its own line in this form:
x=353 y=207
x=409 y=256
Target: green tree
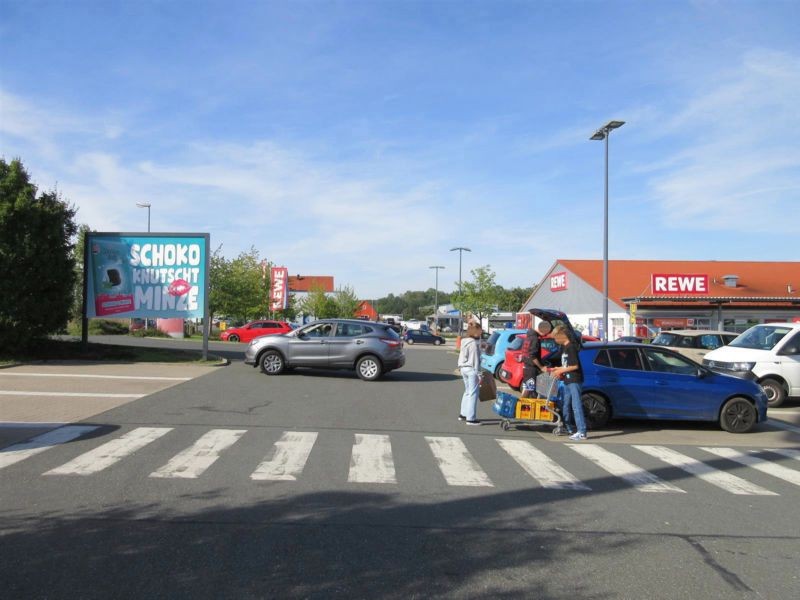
x=238 y=288
x=346 y=302
x=77 y=288
x=37 y=266
x=479 y=296
x=318 y=304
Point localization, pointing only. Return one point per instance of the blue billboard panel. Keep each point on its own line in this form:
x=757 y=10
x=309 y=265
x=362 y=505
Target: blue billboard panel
x=146 y=275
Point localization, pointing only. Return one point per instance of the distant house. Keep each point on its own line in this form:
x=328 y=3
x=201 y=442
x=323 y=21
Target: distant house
x=366 y=311
x=301 y=285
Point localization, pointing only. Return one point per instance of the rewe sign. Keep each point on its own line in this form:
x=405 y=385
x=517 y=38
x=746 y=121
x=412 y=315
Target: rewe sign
x=558 y=281
x=679 y=283
x=279 y=294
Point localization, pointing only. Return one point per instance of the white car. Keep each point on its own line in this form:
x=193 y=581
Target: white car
x=770 y=352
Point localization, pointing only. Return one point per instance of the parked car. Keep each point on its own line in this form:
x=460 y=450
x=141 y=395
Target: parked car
x=493 y=357
x=414 y=336
x=642 y=381
x=694 y=343
x=254 y=329
x=371 y=349
x=768 y=352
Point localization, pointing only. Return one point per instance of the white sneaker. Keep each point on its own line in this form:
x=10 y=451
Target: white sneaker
x=578 y=436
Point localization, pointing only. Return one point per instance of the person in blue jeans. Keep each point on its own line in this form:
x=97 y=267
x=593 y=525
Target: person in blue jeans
x=571 y=374
x=469 y=360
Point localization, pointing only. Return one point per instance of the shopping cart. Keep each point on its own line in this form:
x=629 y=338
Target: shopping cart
x=544 y=410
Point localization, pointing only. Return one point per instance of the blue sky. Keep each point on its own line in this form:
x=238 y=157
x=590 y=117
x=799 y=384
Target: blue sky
x=364 y=140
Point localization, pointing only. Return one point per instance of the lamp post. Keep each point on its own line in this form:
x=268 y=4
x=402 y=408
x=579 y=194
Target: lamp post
x=147 y=206
x=461 y=251
x=603 y=134
x=436 y=298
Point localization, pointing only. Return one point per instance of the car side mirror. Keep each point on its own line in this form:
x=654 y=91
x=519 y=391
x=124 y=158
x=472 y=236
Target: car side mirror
x=701 y=373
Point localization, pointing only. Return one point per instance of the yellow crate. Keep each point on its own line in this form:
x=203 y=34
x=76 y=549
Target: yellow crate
x=532 y=409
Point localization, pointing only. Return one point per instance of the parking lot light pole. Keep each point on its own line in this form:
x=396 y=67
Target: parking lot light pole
x=461 y=251
x=147 y=206
x=603 y=134
x=436 y=298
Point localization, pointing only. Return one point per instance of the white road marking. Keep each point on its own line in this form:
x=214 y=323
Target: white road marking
x=456 y=463
x=111 y=452
x=781 y=425
x=68 y=394
x=759 y=464
x=87 y=376
x=371 y=461
x=541 y=467
x=18 y=452
x=642 y=480
x=787 y=452
x=193 y=462
x=726 y=481
x=290 y=457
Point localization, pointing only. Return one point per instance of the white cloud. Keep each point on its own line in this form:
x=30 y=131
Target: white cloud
x=739 y=169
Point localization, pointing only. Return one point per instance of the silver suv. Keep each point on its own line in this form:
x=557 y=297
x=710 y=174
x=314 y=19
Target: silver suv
x=372 y=349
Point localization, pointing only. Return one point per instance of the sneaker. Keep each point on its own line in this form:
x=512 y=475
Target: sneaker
x=462 y=418
x=578 y=436
x=475 y=422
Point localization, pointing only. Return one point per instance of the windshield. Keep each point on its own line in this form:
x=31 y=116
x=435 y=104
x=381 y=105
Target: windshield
x=666 y=339
x=761 y=337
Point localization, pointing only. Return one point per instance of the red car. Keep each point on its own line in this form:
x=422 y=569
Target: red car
x=254 y=329
x=511 y=373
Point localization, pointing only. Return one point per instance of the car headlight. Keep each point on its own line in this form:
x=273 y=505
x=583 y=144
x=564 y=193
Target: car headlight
x=742 y=366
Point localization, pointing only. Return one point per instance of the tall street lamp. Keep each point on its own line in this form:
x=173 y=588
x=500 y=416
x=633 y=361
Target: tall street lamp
x=147 y=206
x=461 y=251
x=603 y=134
x=436 y=297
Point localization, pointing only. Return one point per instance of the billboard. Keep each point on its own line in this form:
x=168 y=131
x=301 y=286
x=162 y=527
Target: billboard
x=279 y=293
x=146 y=275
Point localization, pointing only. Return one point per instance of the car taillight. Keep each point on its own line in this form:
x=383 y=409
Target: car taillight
x=391 y=343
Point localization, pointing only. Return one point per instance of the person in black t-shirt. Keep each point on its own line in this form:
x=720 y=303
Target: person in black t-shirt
x=572 y=375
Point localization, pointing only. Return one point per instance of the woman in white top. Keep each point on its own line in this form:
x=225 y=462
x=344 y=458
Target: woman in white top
x=469 y=360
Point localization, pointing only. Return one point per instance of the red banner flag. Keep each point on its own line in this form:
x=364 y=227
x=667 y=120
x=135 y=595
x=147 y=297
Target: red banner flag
x=279 y=294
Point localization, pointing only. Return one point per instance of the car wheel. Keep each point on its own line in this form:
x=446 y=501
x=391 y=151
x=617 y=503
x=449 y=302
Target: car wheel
x=369 y=368
x=596 y=410
x=272 y=362
x=776 y=395
x=738 y=415
x=233 y=338
x=498 y=369
x=409 y=341
x=437 y=342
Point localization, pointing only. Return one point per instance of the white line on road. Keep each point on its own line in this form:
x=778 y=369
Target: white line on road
x=291 y=453
x=371 y=461
x=642 y=480
x=87 y=376
x=109 y=453
x=68 y=394
x=726 y=481
x=787 y=452
x=456 y=463
x=759 y=464
x=193 y=462
x=17 y=452
x=781 y=425
x=540 y=466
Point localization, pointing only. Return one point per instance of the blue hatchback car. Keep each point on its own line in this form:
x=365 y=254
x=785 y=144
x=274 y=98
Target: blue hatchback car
x=495 y=354
x=642 y=381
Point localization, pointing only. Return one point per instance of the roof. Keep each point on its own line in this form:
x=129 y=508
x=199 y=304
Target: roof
x=775 y=282
x=304 y=283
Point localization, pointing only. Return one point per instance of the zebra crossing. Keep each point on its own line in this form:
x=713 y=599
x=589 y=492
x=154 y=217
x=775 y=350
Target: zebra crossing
x=372 y=460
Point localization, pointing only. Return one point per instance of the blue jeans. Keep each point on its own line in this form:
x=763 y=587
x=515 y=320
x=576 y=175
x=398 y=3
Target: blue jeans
x=573 y=404
x=469 y=401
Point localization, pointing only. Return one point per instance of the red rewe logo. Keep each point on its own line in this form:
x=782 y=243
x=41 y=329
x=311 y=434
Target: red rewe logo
x=179 y=287
x=558 y=281
x=679 y=283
